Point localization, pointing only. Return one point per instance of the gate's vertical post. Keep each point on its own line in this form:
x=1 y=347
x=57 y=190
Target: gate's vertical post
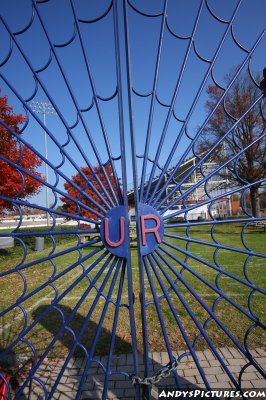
x=124 y=183
x=145 y=389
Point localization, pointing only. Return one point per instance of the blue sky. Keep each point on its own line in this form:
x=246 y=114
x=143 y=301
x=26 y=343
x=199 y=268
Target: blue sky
x=98 y=40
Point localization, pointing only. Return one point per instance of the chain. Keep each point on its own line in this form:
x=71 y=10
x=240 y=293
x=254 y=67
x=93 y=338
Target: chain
x=164 y=372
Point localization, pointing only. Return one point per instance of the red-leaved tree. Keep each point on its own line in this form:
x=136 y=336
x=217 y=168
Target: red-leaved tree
x=72 y=207
x=15 y=184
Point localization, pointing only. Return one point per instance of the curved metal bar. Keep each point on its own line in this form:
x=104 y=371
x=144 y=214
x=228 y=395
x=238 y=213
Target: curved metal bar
x=92 y=21
x=65 y=44
x=8 y=54
x=142 y=13
x=110 y=97
x=176 y=117
x=28 y=25
x=161 y=103
x=32 y=96
x=227 y=112
x=237 y=42
x=223 y=21
x=175 y=34
x=141 y=94
x=215 y=81
x=206 y=60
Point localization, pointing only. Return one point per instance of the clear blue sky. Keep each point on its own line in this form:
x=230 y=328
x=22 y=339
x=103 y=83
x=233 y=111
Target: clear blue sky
x=98 y=40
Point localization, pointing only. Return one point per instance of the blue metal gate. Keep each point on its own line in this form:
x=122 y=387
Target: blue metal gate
x=99 y=275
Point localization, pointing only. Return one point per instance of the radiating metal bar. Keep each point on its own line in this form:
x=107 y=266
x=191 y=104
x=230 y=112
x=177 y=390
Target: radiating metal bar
x=203 y=304
x=114 y=329
x=213 y=267
x=153 y=98
x=37 y=78
x=53 y=278
x=192 y=107
x=196 y=322
x=106 y=140
x=52 y=232
x=50 y=210
x=57 y=190
x=190 y=146
x=57 y=144
x=153 y=259
x=169 y=114
x=49 y=308
x=96 y=337
x=211 y=222
x=61 y=330
x=211 y=244
x=209 y=201
x=160 y=315
x=84 y=326
x=52 y=47
x=50 y=257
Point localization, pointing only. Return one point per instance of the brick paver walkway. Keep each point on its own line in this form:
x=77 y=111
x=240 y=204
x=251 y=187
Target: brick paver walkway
x=121 y=388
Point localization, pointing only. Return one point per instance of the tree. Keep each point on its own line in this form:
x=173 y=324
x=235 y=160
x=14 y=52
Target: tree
x=72 y=207
x=250 y=166
x=14 y=184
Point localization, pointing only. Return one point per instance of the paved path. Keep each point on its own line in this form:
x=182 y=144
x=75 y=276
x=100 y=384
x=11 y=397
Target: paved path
x=121 y=388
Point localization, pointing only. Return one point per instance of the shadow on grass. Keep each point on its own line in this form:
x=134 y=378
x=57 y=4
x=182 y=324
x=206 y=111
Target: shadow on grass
x=87 y=347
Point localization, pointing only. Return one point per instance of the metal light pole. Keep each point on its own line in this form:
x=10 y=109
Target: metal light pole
x=44 y=108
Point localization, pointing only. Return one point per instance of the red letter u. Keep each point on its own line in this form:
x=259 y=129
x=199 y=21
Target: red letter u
x=122 y=232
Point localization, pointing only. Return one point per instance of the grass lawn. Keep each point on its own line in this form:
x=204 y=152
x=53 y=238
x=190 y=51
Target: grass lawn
x=199 y=281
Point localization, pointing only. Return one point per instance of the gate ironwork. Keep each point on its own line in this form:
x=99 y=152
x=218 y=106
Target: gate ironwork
x=166 y=264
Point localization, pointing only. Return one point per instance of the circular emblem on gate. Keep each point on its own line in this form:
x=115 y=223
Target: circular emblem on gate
x=151 y=228
x=113 y=231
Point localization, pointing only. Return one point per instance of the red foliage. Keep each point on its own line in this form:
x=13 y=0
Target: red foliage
x=72 y=207
x=11 y=180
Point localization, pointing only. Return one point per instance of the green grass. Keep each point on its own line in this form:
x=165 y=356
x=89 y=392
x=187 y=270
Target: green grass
x=198 y=262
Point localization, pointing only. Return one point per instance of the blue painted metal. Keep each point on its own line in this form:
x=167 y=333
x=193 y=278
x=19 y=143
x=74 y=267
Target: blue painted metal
x=99 y=251
x=151 y=229
x=113 y=228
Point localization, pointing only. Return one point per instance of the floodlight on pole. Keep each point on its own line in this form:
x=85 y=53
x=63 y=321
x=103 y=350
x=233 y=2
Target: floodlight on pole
x=44 y=108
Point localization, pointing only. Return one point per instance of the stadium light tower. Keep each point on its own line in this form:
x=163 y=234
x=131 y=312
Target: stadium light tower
x=44 y=108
